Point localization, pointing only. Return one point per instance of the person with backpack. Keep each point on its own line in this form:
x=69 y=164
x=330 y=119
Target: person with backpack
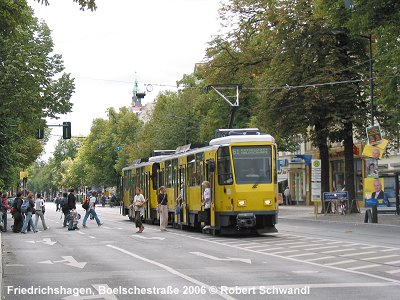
x=90 y=210
x=17 y=215
x=27 y=208
x=39 y=211
x=4 y=202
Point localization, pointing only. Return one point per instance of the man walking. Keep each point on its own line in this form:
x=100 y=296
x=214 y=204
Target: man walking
x=91 y=211
x=287 y=196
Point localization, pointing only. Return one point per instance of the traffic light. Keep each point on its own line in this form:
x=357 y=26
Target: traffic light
x=66 y=130
x=40 y=134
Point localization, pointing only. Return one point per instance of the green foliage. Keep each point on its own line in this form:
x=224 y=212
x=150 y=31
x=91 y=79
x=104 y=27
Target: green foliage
x=85 y=4
x=32 y=87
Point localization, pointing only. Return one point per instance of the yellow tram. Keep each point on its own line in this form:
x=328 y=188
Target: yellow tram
x=241 y=169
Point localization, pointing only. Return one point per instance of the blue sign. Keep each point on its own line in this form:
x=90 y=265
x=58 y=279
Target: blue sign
x=376 y=202
x=118 y=148
x=336 y=196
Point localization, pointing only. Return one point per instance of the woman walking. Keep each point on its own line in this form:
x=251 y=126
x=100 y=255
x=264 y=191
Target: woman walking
x=138 y=206
x=39 y=208
x=163 y=208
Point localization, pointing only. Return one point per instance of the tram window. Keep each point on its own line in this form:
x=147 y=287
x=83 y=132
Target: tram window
x=252 y=164
x=224 y=166
x=168 y=173
x=191 y=171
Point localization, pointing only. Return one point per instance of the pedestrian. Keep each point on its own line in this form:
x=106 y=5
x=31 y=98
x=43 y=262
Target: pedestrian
x=17 y=214
x=288 y=199
x=57 y=201
x=27 y=208
x=103 y=200
x=138 y=206
x=90 y=210
x=64 y=208
x=73 y=220
x=39 y=211
x=207 y=203
x=5 y=207
x=163 y=208
x=71 y=204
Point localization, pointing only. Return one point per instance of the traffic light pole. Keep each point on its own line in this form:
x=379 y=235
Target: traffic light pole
x=66 y=130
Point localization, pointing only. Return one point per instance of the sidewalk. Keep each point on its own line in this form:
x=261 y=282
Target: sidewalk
x=301 y=212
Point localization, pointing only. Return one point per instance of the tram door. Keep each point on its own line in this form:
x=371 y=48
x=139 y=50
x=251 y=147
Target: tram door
x=183 y=192
x=210 y=171
x=146 y=194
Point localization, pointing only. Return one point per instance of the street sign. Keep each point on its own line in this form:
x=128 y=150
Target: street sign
x=335 y=196
x=118 y=148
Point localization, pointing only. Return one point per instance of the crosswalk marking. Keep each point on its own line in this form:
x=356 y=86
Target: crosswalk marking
x=364 y=267
x=288 y=251
x=270 y=249
x=338 y=250
x=391 y=249
x=320 y=248
x=393 y=262
x=303 y=254
x=340 y=262
x=319 y=258
x=358 y=253
x=380 y=257
x=306 y=245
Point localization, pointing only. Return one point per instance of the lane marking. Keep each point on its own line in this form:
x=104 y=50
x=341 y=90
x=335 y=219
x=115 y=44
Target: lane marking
x=358 y=253
x=92 y=237
x=14 y=265
x=170 y=270
x=387 y=250
x=80 y=232
x=291 y=243
x=340 y=262
x=244 y=260
x=393 y=271
x=364 y=267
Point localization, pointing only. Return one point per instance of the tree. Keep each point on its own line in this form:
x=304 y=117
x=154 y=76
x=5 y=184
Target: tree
x=32 y=87
x=85 y=4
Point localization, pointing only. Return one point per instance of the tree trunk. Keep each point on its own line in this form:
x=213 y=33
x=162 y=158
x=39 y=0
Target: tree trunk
x=322 y=144
x=349 y=165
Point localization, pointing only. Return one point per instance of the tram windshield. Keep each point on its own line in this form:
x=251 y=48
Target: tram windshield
x=252 y=164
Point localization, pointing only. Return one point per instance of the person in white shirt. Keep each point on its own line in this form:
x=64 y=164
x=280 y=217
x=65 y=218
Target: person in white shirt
x=90 y=211
x=39 y=208
x=138 y=205
x=207 y=202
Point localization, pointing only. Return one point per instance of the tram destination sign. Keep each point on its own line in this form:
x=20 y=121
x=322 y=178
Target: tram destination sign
x=251 y=151
x=336 y=196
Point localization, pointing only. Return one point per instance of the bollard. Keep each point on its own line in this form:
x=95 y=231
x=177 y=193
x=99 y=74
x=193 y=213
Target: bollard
x=368 y=216
x=374 y=214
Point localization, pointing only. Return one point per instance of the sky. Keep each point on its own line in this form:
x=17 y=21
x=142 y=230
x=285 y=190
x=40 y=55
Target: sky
x=153 y=41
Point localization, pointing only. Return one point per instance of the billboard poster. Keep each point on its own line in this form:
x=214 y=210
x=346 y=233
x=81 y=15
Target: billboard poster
x=374 y=135
x=374 y=193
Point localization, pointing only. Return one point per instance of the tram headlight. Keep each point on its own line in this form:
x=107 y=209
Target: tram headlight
x=267 y=202
x=241 y=202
